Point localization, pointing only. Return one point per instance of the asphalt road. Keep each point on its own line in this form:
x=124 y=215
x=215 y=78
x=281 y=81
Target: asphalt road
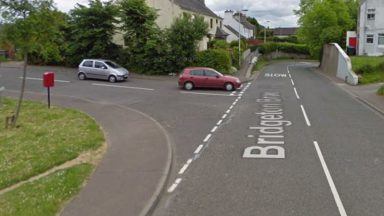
x=289 y=143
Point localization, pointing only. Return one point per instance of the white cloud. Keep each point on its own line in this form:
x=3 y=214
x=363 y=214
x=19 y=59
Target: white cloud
x=278 y=12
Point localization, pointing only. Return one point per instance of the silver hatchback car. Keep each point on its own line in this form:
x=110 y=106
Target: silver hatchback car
x=102 y=69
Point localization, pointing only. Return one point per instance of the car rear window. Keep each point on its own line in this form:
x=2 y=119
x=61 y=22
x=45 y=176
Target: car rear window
x=197 y=73
x=112 y=64
x=210 y=73
x=88 y=64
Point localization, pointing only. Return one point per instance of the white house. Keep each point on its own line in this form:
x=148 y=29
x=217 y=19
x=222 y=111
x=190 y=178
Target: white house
x=235 y=24
x=370 y=30
x=169 y=10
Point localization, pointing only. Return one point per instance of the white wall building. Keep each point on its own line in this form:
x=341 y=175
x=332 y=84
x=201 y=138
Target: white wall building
x=370 y=28
x=235 y=23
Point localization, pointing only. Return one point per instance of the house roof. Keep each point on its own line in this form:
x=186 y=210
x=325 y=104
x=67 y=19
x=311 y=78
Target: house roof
x=233 y=31
x=197 y=6
x=244 y=21
x=285 y=31
x=220 y=33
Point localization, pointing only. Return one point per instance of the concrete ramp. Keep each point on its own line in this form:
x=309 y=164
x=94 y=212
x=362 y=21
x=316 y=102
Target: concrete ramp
x=337 y=63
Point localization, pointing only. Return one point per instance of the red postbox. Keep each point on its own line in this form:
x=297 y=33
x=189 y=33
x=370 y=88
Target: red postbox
x=49 y=79
x=48 y=82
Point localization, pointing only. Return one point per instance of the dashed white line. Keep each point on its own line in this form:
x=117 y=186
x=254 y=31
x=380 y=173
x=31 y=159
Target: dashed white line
x=297 y=95
x=228 y=111
x=219 y=122
x=197 y=151
x=174 y=185
x=231 y=107
x=40 y=79
x=292 y=82
x=209 y=94
x=234 y=103
x=185 y=167
x=224 y=116
x=207 y=138
x=336 y=196
x=119 y=86
x=305 y=116
x=290 y=76
x=214 y=129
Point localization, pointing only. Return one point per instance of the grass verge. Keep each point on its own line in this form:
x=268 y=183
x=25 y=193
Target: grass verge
x=381 y=91
x=370 y=69
x=45 y=197
x=44 y=139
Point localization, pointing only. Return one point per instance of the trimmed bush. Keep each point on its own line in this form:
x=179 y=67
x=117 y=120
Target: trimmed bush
x=214 y=58
x=284 y=47
x=219 y=44
x=381 y=90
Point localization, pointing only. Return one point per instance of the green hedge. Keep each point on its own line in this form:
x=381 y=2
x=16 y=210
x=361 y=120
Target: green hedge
x=381 y=90
x=284 y=47
x=214 y=58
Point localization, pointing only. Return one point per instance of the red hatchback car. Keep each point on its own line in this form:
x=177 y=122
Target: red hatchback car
x=201 y=77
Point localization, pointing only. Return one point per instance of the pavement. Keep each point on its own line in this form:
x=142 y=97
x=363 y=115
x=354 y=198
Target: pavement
x=291 y=142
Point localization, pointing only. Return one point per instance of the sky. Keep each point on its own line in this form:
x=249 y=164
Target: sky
x=279 y=13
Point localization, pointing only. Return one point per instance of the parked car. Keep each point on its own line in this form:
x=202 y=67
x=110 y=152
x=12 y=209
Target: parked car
x=202 y=77
x=102 y=69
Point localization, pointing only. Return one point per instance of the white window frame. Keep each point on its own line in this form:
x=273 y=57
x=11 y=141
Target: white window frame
x=380 y=36
x=371 y=14
x=368 y=36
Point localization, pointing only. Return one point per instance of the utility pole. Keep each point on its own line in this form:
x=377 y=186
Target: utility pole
x=265 y=31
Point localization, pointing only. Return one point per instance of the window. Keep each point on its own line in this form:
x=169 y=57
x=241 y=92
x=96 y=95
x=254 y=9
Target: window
x=381 y=39
x=112 y=64
x=100 y=65
x=88 y=64
x=211 y=23
x=370 y=38
x=371 y=14
x=217 y=21
x=211 y=73
x=197 y=73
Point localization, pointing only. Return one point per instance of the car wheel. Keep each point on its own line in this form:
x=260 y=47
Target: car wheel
x=188 y=86
x=229 y=87
x=82 y=76
x=112 y=79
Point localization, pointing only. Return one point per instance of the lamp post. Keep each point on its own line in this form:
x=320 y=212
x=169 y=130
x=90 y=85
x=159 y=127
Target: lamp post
x=265 y=31
x=240 y=13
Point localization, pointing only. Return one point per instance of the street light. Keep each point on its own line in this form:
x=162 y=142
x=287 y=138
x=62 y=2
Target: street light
x=240 y=13
x=265 y=31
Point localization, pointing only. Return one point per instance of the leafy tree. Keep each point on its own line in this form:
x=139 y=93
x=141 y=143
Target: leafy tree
x=184 y=36
x=91 y=31
x=323 y=22
x=25 y=31
x=259 y=27
x=146 y=49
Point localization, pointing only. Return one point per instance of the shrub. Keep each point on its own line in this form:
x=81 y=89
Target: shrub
x=381 y=90
x=284 y=47
x=364 y=69
x=219 y=44
x=214 y=58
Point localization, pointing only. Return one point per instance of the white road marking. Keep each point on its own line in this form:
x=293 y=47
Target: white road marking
x=219 y=122
x=305 y=116
x=40 y=79
x=290 y=76
x=209 y=94
x=228 y=111
x=214 y=129
x=234 y=103
x=292 y=82
x=251 y=136
x=174 y=186
x=231 y=107
x=185 y=167
x=197 y=151
x=336 y=196
x=297 y=95
x=207 y=138
x=224 y=116
x=119 y=86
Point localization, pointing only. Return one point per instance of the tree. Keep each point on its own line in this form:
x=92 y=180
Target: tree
x=184 y=36
x=146 y=48
x=24 y=32
x=91 y=31
x=323 y=22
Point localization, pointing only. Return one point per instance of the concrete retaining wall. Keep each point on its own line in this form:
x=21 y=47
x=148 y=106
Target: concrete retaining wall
x=337 y=63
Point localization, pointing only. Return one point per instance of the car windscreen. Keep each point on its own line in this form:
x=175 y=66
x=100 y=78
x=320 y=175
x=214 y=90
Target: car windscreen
x=112 y=64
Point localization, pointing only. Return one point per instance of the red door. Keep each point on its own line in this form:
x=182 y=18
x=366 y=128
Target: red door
x=197 y=77
x=213 y=79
